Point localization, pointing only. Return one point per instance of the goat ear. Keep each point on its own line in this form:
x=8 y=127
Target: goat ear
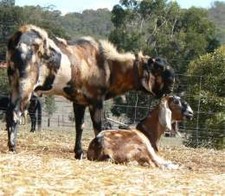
x=165 y=115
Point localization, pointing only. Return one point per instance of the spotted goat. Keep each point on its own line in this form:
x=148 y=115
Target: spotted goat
x=86 y=72
x=140 y=144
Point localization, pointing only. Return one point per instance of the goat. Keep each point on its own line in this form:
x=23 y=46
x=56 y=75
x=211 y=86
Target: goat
x=122 y=146
x=86 y=72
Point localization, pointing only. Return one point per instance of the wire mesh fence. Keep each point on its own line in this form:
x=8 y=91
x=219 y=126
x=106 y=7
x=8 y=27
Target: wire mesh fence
x=203 y=130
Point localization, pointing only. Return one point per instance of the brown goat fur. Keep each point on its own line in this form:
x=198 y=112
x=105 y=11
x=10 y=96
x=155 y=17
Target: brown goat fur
x=179 y=109
x=122 y=146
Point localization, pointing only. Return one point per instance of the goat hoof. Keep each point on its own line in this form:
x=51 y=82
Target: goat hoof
x=79 y=155
x=12 y=147
x=12 y=150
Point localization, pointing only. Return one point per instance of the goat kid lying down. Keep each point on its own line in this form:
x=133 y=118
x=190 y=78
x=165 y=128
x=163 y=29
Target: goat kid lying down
x=122 y=146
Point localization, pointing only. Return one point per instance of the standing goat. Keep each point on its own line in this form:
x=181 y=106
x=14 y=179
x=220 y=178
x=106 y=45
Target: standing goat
x=86 y=72
x=122 y=146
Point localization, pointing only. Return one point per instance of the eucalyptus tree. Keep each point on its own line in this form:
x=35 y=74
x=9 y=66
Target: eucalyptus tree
x=207 y=95
x=162 y=28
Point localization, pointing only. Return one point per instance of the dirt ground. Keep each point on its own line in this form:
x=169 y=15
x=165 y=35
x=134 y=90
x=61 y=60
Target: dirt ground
x=44 y=165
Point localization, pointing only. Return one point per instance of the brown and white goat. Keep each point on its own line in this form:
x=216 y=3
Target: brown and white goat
x=123 y=146
x=86 y=72
x=175 y=110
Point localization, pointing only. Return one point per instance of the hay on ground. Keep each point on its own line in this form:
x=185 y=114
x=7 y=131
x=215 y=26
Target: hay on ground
x=45 y=165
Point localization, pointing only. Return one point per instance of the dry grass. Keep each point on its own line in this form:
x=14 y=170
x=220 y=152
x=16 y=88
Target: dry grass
x=45 y=165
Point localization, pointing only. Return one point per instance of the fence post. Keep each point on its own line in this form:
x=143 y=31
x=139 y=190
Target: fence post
x=135 y=108
x=198 y=112
x=48 y=121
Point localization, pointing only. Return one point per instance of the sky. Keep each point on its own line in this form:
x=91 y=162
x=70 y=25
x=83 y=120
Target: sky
x=66 y=6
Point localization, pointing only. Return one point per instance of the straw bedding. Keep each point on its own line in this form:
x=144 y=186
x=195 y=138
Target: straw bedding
x=44 y=165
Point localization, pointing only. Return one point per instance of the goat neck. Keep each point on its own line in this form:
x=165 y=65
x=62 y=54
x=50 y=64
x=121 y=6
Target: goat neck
x=151 y=127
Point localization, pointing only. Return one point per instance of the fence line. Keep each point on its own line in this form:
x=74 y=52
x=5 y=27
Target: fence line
x=196 y=128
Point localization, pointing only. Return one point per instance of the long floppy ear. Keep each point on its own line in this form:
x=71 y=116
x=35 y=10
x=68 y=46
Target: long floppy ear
x=165 y=114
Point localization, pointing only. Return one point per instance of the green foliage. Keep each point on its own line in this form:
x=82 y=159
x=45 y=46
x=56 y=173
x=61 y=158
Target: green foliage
x=7 y=2
x=209 y=91
x=50 y=105
x=88 y=23
x=43 y=17
x=4 y=86
x=134 y=106
x=72 y=25
x=163 y=29
x=217 y=15
x=11 y=17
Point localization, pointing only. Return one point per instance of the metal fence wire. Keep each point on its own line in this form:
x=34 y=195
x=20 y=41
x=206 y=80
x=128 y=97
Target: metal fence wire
x=133 y=106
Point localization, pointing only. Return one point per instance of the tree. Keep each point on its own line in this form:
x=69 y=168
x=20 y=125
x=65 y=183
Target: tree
x=208 y=91
x=217 y=15
x=7 y=2
x=11 y=17
x=50 y=107
x=163 y=29
x=4 y=85
x=88 y=23
x=45 y=17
